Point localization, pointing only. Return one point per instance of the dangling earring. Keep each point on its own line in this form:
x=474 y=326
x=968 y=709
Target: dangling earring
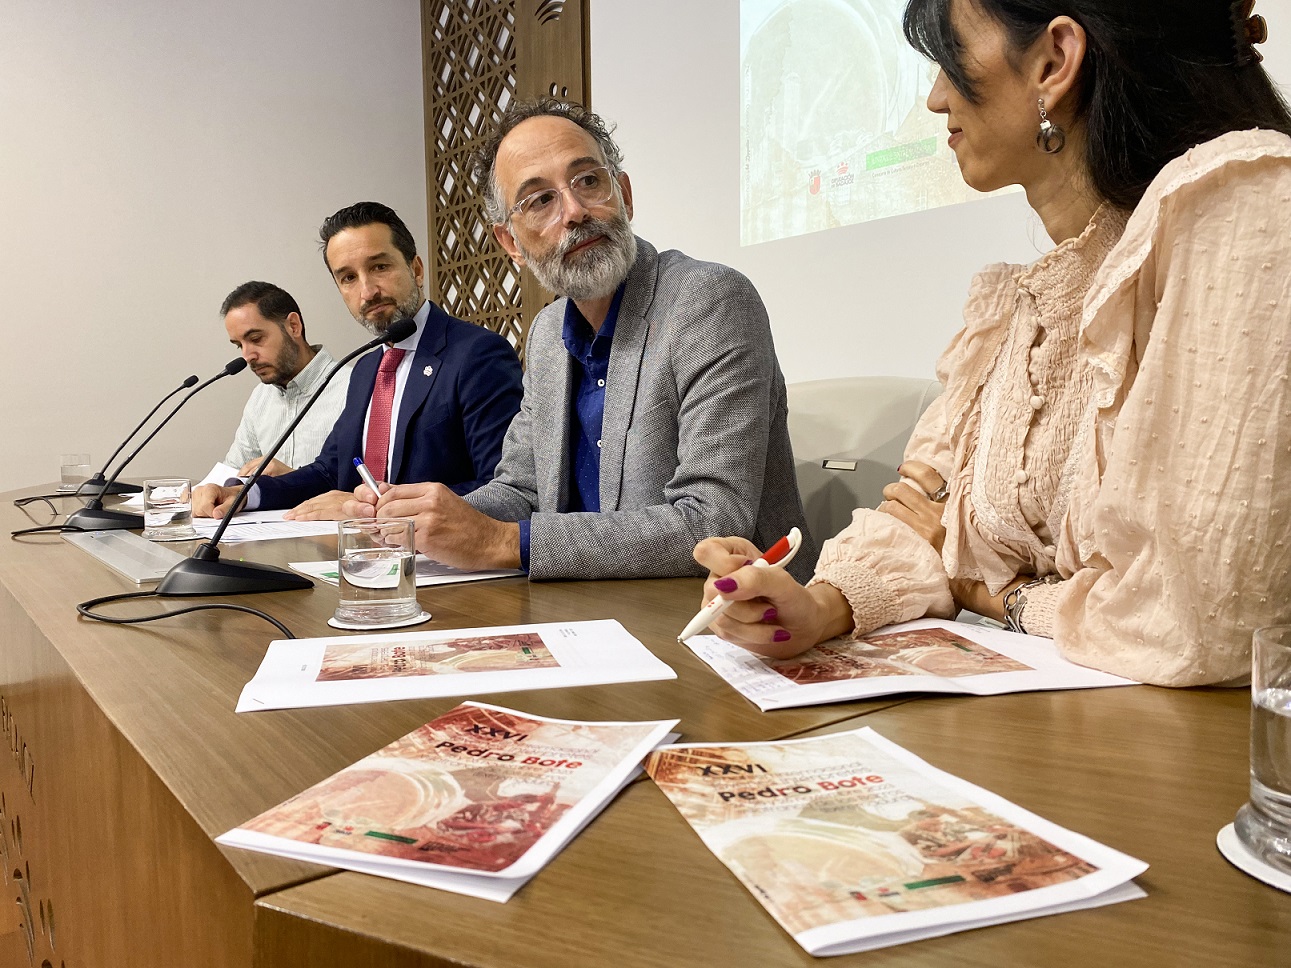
x=1051 y=138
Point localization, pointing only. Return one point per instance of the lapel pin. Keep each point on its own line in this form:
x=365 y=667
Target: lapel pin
x=428 y=371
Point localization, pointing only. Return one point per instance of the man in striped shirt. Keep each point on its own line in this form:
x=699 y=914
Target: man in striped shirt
x=264 y=322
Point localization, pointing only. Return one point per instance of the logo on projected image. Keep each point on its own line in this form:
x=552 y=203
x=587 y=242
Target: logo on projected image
x=832 y=97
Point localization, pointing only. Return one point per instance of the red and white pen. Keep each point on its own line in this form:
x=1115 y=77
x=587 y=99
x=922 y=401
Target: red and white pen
x=777 y=556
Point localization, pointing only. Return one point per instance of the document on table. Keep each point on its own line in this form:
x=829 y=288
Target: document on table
x=262 y=526
x=297 y=673
x=429 y=572
x=477 y=801
x=216 y=475
x=929 y=655
x=853 y=843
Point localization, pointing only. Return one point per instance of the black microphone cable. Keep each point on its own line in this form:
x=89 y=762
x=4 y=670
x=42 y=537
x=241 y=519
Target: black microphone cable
x=87 y=609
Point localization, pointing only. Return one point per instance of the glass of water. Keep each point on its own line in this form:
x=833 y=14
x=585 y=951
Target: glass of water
x=74 y=470
x=376 y=565
x=168 y=510
x=1264 y=824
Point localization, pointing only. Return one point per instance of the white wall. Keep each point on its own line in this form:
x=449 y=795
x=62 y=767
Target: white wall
x=153 y=155
x=878 y=298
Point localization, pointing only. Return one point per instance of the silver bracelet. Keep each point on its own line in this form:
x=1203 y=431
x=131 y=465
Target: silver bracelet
x=1016 y=600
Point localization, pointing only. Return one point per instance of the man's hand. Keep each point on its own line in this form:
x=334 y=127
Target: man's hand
x=213 y=501
x=325 y=507
x=920 y=511
x=276 y=468
x=773 y=615
x=447 y=528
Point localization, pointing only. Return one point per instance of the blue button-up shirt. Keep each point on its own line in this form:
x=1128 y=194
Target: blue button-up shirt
x=591 y=352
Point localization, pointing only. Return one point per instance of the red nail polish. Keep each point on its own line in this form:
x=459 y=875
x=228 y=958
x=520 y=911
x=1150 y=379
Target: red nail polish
x=781 y=635
x=726 y=585
x=770 y=615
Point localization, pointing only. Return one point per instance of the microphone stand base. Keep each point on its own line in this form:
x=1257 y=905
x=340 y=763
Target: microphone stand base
x=194 y=576
x=89 y=519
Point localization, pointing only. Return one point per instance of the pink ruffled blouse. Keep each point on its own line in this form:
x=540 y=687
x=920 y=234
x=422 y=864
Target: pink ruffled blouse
x=1118 y=414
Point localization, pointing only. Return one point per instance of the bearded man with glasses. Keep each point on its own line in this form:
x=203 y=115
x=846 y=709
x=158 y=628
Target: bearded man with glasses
x=654 y=409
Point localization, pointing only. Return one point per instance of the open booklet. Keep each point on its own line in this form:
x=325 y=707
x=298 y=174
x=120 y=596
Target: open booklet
x=429 y=572
x=853 y=843
x=475 y=802
x=929 y=655
x=457 y=662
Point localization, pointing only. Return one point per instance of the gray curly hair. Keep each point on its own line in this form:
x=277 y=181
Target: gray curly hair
x=484 y=158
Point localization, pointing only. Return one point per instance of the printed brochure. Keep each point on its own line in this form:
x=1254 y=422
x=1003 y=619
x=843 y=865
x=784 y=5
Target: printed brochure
x=475 y=802
x=929 y=655
x=851 y=842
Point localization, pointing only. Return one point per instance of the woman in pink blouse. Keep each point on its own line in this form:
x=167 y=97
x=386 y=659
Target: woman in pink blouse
x=1110 y=464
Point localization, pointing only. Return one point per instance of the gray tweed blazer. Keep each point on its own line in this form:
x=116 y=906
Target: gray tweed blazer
x=694 y=438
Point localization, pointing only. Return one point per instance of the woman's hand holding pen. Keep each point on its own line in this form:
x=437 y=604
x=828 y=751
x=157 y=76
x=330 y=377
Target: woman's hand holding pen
x=772 y=614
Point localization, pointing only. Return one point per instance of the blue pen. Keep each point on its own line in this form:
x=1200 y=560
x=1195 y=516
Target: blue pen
x=366 y=474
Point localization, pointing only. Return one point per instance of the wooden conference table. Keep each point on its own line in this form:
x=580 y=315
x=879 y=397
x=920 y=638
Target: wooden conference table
x=127 y=759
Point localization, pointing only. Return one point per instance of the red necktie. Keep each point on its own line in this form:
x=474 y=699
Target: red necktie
x=378 y=445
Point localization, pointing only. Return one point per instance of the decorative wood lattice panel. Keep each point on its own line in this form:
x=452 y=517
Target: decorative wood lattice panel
x=477 y=57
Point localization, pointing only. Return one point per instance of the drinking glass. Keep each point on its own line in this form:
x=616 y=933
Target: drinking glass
x=74 y=470
x=168 y=509
x=1264 y=824
x=376 y=565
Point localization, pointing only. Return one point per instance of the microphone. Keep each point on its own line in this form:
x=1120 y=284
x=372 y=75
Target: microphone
x=117 y=488
x=98 y=480
x=93 y=517
x=204 y=573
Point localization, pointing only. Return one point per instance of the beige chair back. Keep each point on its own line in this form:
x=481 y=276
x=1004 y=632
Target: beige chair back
x=848 y=438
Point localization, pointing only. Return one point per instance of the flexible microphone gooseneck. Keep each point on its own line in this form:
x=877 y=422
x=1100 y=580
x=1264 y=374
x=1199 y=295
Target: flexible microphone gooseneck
x=114 y=487
x=98 y=479
x=93 y=517
x=204 y=573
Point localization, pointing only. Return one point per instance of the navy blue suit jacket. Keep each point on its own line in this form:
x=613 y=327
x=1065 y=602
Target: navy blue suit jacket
x=462 y=391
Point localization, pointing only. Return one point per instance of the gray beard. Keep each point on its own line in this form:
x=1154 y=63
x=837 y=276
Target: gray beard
x=598 y=271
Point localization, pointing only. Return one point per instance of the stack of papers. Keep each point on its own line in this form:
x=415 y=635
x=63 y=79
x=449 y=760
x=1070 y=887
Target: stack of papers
x=929 y=655
x=475 y=802
x=852 y=843
x=459 y=662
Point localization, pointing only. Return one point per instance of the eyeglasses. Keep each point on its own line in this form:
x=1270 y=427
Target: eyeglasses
x=592 y=187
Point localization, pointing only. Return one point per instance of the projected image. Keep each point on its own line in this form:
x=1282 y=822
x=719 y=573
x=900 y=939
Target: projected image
x=833 y=125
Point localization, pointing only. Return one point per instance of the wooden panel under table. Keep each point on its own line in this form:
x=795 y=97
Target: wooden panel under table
x=140 y=760
x=1152 y=772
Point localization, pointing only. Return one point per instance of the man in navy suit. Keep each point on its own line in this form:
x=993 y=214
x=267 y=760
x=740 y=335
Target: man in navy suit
x=434 y=407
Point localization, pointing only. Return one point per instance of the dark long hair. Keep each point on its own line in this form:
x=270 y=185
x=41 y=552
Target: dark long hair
x=1154 y=82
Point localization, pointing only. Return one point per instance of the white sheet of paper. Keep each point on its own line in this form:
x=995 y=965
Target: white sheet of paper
x=429 y=572
x=262 y=526
x=758 y=681
x=587 y=653
x=218 y=474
